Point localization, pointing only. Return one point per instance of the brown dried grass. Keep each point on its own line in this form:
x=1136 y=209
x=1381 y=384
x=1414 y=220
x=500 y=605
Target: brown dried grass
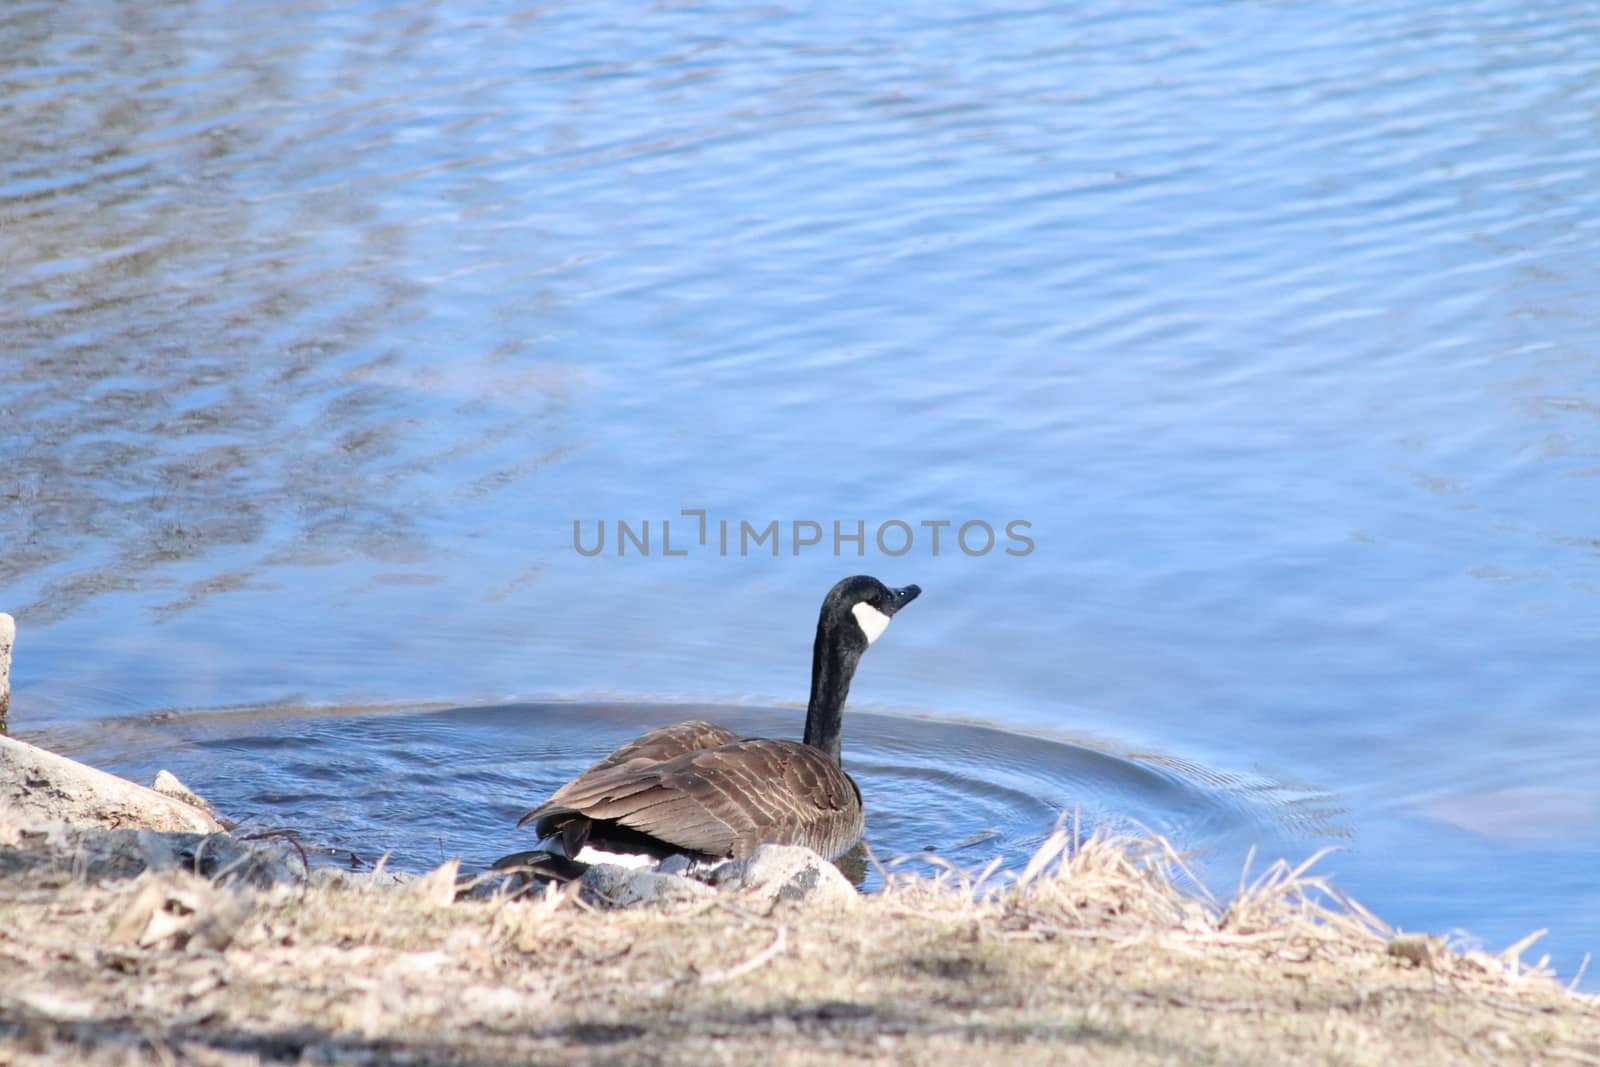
x=1098 y=951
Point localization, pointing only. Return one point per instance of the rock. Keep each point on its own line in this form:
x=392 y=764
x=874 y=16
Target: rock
x=677 y=863
x=104 y=855
x=610 y=886
x=8 y=637
x=218 y=858
x=770 y=875
x=41 y=786
x=779 y=874
x=58 y=813
x=168 y=784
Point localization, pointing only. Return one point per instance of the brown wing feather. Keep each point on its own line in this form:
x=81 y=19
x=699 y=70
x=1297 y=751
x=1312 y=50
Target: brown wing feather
x=657 y=746
x=670 y=741
x=721 y=801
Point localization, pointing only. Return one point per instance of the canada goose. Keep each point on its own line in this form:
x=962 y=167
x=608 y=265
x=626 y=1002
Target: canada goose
x=701 y=791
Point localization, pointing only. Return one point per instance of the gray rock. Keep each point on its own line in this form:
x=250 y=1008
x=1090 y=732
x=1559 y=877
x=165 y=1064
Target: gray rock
x=784 y=874
x=40 y=786
x=58 y=812
x=218 y=857
x=169 y=785
x=116 y=854
x=610 y=886
x=677 y=863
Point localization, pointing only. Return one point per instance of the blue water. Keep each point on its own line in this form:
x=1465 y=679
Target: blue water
x=422 y=785
x=1275 y=324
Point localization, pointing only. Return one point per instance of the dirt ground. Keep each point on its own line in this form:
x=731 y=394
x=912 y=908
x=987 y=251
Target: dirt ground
x=1089 y=957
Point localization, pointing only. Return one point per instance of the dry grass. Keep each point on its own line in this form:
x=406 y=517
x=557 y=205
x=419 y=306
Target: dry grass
x=1103 y=953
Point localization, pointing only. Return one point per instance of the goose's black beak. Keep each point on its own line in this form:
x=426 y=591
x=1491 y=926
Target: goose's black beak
x=899 y=598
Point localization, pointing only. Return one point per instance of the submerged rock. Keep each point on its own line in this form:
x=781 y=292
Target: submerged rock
x=778 y=874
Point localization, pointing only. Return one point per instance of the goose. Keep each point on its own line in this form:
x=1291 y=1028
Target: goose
x=700 y=791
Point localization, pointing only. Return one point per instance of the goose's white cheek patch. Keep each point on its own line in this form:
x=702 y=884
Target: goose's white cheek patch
x=872 y=621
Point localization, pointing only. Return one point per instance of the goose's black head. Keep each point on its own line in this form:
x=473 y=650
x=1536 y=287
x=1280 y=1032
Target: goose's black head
x=857 y=610
x=854 y=614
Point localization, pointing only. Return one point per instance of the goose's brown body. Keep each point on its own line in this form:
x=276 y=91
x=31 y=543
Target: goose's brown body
x=699 y=790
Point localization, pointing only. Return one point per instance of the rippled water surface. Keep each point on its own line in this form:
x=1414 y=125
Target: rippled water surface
x=424 y=786
x=321 y=325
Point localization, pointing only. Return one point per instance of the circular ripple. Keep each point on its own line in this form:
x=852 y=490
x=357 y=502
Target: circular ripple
x=424 y=786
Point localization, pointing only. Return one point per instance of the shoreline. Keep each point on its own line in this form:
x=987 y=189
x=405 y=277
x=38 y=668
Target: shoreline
x=1094 y=953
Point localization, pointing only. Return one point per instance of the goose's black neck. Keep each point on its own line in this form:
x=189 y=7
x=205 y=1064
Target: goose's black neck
x=833 y=663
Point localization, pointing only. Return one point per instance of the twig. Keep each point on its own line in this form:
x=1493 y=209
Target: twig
x=779 y=942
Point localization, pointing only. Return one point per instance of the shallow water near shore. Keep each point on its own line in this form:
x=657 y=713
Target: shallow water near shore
x=421 y=786
x=321 y=327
